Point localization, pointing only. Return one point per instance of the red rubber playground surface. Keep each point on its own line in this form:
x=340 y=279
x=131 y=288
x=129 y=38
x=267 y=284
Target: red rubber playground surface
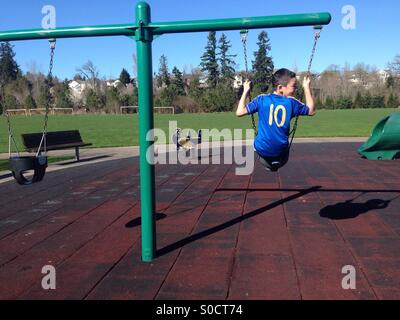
x=219 y=235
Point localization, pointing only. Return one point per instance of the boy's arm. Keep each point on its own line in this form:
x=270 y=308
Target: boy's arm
x=309 y=98
x=241 y=109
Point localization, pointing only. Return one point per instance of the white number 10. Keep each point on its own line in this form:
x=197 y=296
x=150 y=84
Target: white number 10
x=273 y=115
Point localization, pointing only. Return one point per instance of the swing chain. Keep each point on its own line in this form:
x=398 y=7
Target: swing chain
x=243 y=37
x=49 y=85
x=317 y=35
x=10 y=136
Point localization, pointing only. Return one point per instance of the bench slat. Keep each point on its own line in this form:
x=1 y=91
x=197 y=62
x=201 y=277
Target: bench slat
x=54 y=140
x=32 y=140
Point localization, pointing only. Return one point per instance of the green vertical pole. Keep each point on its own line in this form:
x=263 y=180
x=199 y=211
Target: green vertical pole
x=144 y=40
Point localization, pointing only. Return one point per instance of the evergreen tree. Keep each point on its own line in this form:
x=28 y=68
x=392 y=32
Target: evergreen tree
x=358 y=102
x=194 y=87
x=177 y=81
x=112 y=100
x=93 y=100
x=367 y=101
x=29 y=102
x=263 y=66
x=125 y=77
x=393 y=101
x=209 y=63
x=329 y=103
x=45 y=98
x=219 y=99
x=344 y=103
x=378 y=102
x=10 y=102
x=163 y=74
x=63 y=96
x=226 y=60
x=9 y=69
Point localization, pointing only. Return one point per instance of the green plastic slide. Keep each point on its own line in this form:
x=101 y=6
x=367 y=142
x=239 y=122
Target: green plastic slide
x=384 y=142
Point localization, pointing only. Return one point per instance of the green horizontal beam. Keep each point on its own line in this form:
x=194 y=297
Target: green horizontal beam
x=69 y=32
x=293 y=20
x=158 y=28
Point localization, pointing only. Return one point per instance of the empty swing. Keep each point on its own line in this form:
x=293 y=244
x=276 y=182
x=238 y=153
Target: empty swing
x=19 y=165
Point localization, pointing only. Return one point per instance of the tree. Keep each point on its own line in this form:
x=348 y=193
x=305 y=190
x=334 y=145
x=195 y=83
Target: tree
x=367 y=101
x=177 y=81
x=89 y=72
x=226 y=61
x=329 y=103
x=393 y=101
x=93 y=100
x=63 y=95
x=30 y=102
x=194 y=87
x=393 y=81
x=358 y=101
x=10 y=102
x=167 y=96
x=125 y=77
x=45 y=98
x=163 y=78
x=112 y=100
x=378 y=102
x=9 y=69
x=209 y=63
x=219 y=99
x=344 y=103
x=263 y=66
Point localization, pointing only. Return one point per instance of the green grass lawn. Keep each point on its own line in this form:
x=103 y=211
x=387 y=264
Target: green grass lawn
x=122 y=130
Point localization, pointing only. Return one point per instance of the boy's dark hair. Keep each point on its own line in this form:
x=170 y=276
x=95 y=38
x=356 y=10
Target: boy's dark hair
x=282 y=77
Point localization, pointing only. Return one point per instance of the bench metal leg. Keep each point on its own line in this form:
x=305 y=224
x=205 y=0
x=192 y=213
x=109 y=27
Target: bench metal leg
x=77 y=153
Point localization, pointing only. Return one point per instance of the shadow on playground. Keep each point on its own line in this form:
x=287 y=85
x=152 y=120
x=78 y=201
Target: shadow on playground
x=343 y=210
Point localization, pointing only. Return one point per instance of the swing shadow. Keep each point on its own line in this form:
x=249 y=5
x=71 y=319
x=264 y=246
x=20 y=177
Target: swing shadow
x=350 y=210
x=181 y=243
x=340 y=210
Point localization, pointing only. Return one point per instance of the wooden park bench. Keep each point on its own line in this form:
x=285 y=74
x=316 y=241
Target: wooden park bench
x=57 y=140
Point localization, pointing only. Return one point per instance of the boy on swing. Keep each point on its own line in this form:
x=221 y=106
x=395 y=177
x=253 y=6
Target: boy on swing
x=275 y=112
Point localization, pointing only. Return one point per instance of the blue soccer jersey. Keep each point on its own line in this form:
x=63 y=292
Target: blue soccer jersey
x=274 y=114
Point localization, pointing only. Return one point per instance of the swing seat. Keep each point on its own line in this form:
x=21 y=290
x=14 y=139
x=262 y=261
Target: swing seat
x=273 y=164
x=19 y=165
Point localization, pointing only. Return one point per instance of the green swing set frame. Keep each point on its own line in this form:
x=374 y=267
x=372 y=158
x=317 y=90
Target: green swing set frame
x=144 y=31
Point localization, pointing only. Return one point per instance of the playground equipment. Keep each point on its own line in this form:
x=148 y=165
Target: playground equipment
x=186 y=143
x=384 y=141
x=38 y=163
x=144 y=32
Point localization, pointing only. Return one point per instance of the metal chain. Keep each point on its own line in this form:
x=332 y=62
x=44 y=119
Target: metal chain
x=10 y=136
x=317 y=35
x=243 y=36
x=49 y=86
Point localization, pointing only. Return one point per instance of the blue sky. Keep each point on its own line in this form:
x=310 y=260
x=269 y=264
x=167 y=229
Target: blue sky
x=374 y=40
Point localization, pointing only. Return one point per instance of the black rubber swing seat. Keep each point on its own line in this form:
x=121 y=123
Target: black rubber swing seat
x=19 y=165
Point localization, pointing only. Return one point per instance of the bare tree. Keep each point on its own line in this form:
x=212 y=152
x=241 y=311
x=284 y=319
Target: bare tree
x=90 y=72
